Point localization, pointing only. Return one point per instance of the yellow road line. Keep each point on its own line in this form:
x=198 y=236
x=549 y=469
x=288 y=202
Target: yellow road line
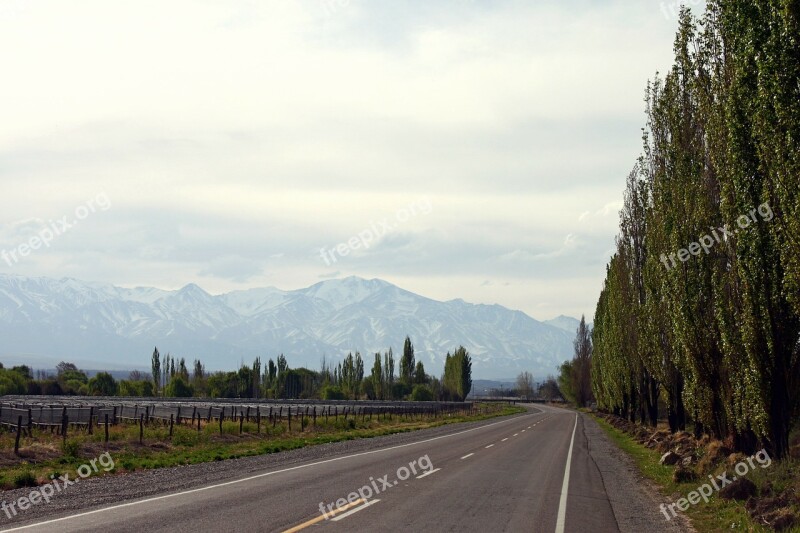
x=322 y=517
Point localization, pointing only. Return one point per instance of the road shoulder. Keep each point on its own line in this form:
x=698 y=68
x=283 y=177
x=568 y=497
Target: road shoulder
x=634 y=499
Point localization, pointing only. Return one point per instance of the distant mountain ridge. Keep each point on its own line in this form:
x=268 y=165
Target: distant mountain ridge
x=48 y=319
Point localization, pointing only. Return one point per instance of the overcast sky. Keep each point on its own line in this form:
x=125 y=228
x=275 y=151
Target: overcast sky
x=481 y=146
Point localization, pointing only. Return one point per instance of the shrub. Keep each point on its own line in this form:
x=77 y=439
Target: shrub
x=421 y=393
x=71 y=448
x=25 y=479
x=332 y=393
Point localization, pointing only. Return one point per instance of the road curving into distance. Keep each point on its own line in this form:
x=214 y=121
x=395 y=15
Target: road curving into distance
x=509 y=474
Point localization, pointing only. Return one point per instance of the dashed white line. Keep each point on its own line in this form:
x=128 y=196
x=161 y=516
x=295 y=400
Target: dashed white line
x=468 y=456
x=505 y=439
x=428 y=473
x=355 y=510
x=489 y=446
x=515 y=434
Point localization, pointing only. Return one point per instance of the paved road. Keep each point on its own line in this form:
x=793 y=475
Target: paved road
x=507 y=475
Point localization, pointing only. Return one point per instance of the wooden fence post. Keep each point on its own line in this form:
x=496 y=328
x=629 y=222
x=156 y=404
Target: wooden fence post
x=141 y=428
x=91 y=417
x=171 y=421
x=19 y=431
x=106 y=431
x=64 y=425
x=241 y=421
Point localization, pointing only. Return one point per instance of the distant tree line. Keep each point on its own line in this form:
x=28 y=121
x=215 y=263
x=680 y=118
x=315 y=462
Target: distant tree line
x=700 y=307
x=172 y=377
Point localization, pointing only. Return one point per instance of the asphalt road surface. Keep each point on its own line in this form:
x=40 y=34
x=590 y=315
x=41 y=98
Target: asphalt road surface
x=534 y=472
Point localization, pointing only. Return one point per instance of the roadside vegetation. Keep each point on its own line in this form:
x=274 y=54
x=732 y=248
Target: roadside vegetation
x=699 y=316
x=695 y=346
x=763 y=500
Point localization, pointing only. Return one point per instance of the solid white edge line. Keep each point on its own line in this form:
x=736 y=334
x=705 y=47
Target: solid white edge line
x=257 y=476
x=562 y=505
x=428 y=473
x=467 y=456
x=354 y=510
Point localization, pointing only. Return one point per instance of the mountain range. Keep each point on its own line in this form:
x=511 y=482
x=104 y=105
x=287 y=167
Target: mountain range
x=43 y=321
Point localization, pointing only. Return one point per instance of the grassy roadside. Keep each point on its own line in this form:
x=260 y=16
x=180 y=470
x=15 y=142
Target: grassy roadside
x=716 y=515
x=44 y=455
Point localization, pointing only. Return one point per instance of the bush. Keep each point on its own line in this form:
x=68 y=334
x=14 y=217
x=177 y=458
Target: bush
x=421 y=393
x=178 y=388
x=71 y=448
x=25 y=479
x=332 y=393
x=103 y=384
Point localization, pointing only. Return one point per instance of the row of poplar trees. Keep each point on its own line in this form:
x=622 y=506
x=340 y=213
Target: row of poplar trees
x=713 y=336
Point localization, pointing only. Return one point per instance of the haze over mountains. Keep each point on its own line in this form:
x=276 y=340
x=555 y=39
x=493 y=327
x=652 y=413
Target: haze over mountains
x=43 y=321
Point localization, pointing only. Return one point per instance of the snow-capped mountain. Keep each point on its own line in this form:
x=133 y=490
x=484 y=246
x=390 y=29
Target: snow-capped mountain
x=44 y=320
x=567 y=323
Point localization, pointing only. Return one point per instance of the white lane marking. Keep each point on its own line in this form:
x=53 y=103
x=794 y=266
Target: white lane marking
x=523 y=431
x=428 y=473
x=505 y=439
x=562 y=505
x=515 y=434
x=489 y=446
x=257 y=476
x=354 y=510
x=468 y=456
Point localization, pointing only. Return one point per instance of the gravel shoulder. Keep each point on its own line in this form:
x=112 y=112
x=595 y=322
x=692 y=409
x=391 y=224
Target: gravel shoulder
x=634 y=498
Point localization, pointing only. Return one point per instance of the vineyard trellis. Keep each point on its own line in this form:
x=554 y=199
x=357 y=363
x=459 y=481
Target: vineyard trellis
x=57 y=414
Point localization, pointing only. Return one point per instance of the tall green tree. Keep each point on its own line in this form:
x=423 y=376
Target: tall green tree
x=377 y=378
x=155 y=365
x=457 y=380
x=407 y=363
x=713 y=263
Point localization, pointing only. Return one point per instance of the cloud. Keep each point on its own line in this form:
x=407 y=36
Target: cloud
x=233 y=267
x=241 y=137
